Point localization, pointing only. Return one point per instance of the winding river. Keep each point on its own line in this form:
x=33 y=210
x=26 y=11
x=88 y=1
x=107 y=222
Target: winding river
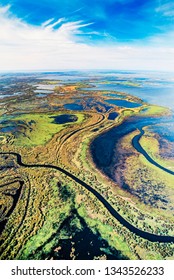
x=139 y=148
x=146 y=235
x=103 y=147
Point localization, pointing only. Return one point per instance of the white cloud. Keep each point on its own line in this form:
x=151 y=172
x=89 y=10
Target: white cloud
x=166 y=9
x=28 y=47
x=4 y=9
x=47 y=22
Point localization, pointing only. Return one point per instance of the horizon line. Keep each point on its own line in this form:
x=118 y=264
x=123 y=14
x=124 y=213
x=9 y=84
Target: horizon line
x=83 y=70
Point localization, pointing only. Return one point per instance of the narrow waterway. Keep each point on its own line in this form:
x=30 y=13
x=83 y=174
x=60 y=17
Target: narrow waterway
x=146 y=235
x=103 y=147
x=139 y=148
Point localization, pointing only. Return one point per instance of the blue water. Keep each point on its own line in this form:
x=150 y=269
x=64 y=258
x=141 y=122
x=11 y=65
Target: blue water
x=65 y=118
x=167 y=133
x=73 y=106
x=123 y=103
x=154 y=87
x=161 y=95
x=7 y=129
x=112 y=116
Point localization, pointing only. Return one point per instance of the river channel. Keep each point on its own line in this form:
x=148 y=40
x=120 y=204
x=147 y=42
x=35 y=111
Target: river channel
x=146 y=235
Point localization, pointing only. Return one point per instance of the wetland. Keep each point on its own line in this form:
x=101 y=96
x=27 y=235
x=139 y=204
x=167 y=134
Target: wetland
x=93 y=157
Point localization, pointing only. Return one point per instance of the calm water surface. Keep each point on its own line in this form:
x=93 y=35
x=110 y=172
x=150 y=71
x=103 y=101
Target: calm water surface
x=123 y=103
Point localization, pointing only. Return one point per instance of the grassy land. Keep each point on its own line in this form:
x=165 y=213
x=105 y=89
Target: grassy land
x=48 y=197
x=155 y=110
x=40 y=128
x=152 y=147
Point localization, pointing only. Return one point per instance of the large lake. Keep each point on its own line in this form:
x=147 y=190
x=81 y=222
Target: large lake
x=155 y=88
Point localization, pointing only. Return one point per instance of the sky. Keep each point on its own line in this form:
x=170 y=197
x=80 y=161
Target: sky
x=86 y=34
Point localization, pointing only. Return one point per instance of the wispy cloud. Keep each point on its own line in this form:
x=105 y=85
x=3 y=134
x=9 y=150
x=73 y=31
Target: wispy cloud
x=55 y=45
x=166 y=9
x=50 y=26
x=47 y=22
x=4 y=9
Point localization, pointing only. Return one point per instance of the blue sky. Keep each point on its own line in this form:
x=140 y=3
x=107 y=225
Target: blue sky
x=93 y=33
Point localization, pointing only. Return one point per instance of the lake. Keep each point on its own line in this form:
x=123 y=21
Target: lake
x=123 y=103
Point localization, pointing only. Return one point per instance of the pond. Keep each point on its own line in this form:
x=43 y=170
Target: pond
x=73 y=106
x=123 y=103
x=66 y=118
x=8 y=129
x=112 y=116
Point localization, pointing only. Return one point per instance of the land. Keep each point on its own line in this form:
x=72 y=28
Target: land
x=45 y=213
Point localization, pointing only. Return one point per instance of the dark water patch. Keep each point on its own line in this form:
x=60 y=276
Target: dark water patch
x=8 y=129
x=112 y=116
x=66 y=118
x=107 y=107
x=73 y=107
x=99 y=109
x=103 y=105
x=95 y=129
x=85 y=244
x=123 y=103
